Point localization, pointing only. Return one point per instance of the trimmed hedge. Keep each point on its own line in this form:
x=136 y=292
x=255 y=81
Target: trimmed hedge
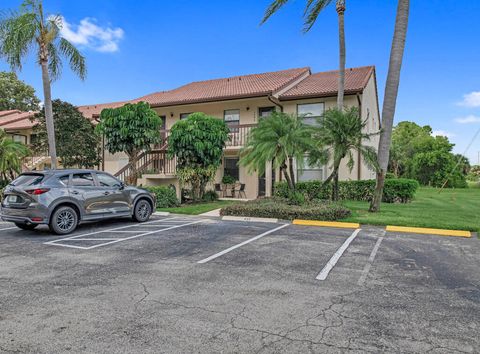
x=281 y=209
x=166 y=196
x=397 y=190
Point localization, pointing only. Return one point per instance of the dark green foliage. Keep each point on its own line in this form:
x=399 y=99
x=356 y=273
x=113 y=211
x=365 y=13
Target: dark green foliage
x=210 y=196
x=15 y=94
x=198 y=143
x=77 y=143
x=130 y=128
x=416 y=154
x=282 y=209
x=227 y=179
x=396 y=190
x=296 y=198
x=166 y=196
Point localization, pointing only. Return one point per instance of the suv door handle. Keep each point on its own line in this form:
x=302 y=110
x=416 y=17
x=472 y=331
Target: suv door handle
x=106 y=193
x=75 y=192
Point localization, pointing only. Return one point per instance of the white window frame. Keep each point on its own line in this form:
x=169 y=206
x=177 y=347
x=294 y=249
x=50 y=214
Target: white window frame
x=309 y=118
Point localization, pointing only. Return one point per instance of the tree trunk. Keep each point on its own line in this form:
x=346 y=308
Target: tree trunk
x=49 y=113
x=132 y=161
x=340 y=6
x=283 y=168
x=390 y=98
x=335 y=187
x=292 y=172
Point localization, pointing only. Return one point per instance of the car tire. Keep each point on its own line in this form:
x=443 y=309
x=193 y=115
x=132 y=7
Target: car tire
x=25 y=226
x=142 y=211
x=64 y=220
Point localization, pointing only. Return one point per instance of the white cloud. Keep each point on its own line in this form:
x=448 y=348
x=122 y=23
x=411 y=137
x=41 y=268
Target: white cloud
x=471 y=99
x=90 y=35
x=468 y=119
x=442 y=133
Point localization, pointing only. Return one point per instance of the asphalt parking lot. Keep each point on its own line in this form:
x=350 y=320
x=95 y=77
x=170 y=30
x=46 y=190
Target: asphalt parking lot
x=182 y=284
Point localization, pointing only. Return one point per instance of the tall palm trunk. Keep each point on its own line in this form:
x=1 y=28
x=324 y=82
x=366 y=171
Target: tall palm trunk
x=390 y=99
x=49 y=112
x=340 y=7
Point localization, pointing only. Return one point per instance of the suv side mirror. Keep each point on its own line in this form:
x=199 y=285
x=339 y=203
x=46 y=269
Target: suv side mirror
x=122 y=186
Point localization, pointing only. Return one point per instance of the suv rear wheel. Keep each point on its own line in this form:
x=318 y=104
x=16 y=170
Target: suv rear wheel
x=25 y=226
x=142 y=211
x=63 y=220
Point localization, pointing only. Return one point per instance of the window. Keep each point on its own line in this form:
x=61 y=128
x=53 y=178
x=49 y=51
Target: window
x=184 y=115
x=230 y=167
x=265 y=111
x=232 y=118
x=310 y=173
x=64 y=179
x=108 y=181
x=19 y=138
x=83 y=180
x=28 y=179
x=310 y=111
x=164 y=122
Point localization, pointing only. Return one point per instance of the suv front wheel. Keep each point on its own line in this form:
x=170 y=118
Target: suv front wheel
x=63 y=220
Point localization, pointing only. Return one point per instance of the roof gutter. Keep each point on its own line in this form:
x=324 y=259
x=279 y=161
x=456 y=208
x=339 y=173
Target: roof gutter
x=275 y=102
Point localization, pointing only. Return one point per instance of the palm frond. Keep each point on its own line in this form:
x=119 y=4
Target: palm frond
x=17 y=35
x=312 y=11
x=274 y=7
x=75 y=58
x=54 y=62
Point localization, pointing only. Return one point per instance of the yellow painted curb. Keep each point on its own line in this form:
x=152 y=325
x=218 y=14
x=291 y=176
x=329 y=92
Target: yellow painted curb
x=422 y=230
x=347 y=225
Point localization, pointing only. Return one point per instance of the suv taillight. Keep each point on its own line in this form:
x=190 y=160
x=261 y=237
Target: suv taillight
x=37 y=191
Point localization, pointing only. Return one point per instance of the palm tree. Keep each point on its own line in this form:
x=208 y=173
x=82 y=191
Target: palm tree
x=390 y=98
x=281 y=138
x=340 y=133
x=27 y=29
x=11 y=155
x=312 y=10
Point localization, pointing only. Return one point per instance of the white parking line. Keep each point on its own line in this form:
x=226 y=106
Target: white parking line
x=54 y=243
x=331 y=263
x=367 y=267
x=9 y=228
x=241 y=244
x=108 y=230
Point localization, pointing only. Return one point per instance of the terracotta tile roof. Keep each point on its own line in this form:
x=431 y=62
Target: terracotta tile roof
x=326 y=83
x=316 y=85
x=93 y=110
x=219 y=89
x=16 y=120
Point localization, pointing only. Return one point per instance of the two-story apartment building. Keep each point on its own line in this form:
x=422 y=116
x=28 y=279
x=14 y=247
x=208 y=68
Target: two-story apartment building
x=241 y=101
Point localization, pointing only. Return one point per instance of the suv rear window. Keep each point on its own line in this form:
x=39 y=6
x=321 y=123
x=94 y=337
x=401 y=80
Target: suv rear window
x=28 y=179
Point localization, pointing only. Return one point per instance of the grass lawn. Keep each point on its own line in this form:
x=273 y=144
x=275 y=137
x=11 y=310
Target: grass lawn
x=457 y=209
x=197 y=208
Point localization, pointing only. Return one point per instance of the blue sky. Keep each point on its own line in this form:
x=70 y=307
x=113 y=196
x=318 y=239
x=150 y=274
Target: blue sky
x=137 y=47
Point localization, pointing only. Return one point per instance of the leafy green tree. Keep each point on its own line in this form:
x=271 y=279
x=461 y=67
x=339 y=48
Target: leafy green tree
x=11 y=155
x=197 y=142
x=15 y=94
x=131 y=129
x=27 y=29
x=312 y=10
x=416 y=154
x=281 y=138
x=77 y=142
x=474 y=173
x=341 y=133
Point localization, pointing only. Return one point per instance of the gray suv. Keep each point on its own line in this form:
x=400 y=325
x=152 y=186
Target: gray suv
x=62 y=199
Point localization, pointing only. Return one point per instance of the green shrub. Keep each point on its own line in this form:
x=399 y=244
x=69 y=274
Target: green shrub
x=281 y=209
x=296 y=198
x=166 y=196
x=210 y=196
x=227 y=179
x=396 y=190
